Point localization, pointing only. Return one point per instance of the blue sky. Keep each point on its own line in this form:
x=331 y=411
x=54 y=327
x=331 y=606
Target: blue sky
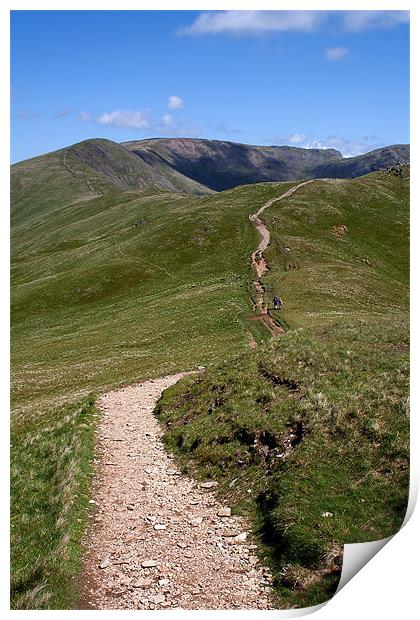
x=305 y=78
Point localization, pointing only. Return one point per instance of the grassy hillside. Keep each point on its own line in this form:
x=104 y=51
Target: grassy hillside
x=340 y=251
x=115 y=284
x=129 y=281
x=309 y=434
x=106 y=291
x=84 y=171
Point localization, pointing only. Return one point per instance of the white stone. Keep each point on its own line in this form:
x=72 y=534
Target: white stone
x=209 y=484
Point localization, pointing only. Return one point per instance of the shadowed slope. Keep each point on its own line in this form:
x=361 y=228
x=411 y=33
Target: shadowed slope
x=223 y=165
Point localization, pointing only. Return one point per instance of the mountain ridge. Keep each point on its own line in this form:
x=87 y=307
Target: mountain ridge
x=186 y=165
x=222 y=165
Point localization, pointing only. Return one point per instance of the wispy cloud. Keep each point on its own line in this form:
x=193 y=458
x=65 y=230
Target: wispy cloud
x=336 y=53
x=296 y=138
x=348 y=147
x=170 y=126
x=292 y=139
x=65 y=112
x=356 y=21
x=74 y=114
x=175 y=103
x=183 y=130
x=224 y=129
x=143 y=120
x=167 y=120
x=254 y=23
x=134 y=119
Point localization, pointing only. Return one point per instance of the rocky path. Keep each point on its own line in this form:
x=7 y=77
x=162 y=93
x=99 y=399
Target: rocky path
x=159 y=539
x=260 y=264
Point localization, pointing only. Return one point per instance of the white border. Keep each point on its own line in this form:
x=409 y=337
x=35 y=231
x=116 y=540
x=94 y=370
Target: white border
x=387 y=586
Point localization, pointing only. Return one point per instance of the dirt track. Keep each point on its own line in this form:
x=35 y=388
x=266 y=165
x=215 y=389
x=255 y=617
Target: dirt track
x=147 y=512
x=260 y=264
x=159 y=539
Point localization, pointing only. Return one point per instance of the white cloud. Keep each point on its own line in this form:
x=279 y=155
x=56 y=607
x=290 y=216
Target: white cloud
x=85 y=116
x=348 y=147
x=316 y=144
x=166 y=120
x=292 y=139
x=296 y=138
x=260 y=22
x=134 y=119
x=254 y=22
x=355 y=21
x=336 y=53
x=175 y=103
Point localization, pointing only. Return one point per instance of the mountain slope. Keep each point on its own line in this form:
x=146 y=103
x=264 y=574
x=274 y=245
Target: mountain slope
x=223 y=165
x=85 y=170
x=192 y=166
x=309 y=434
x=115 y=288
x=351 y=167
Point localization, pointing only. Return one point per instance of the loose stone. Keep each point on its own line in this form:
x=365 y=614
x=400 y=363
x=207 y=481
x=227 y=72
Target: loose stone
x=209 y=484
x=224 y=512
x=105 y=562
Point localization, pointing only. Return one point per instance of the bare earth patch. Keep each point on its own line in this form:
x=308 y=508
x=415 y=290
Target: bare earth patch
x=159 y=539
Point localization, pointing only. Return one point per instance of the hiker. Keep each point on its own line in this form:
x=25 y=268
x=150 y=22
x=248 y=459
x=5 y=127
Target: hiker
x=277 y=303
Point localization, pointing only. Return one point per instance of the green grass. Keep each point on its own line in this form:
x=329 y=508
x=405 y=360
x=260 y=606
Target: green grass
x=108 y=290
x=51 y=469
x=316 y=422
x=97 y=302
x=325 y=275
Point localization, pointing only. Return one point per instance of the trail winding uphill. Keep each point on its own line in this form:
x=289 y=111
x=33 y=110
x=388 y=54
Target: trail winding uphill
x=259 y=263
x=159 y=539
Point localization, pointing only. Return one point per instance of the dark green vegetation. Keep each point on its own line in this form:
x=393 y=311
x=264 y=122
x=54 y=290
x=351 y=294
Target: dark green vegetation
x=223 y=165
x=309 y=435
x=117 y=278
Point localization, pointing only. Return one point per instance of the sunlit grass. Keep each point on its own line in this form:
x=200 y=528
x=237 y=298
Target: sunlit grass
x=309 y=435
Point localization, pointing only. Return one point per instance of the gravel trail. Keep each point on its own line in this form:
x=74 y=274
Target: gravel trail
x=159 y=539
x=259 y=263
